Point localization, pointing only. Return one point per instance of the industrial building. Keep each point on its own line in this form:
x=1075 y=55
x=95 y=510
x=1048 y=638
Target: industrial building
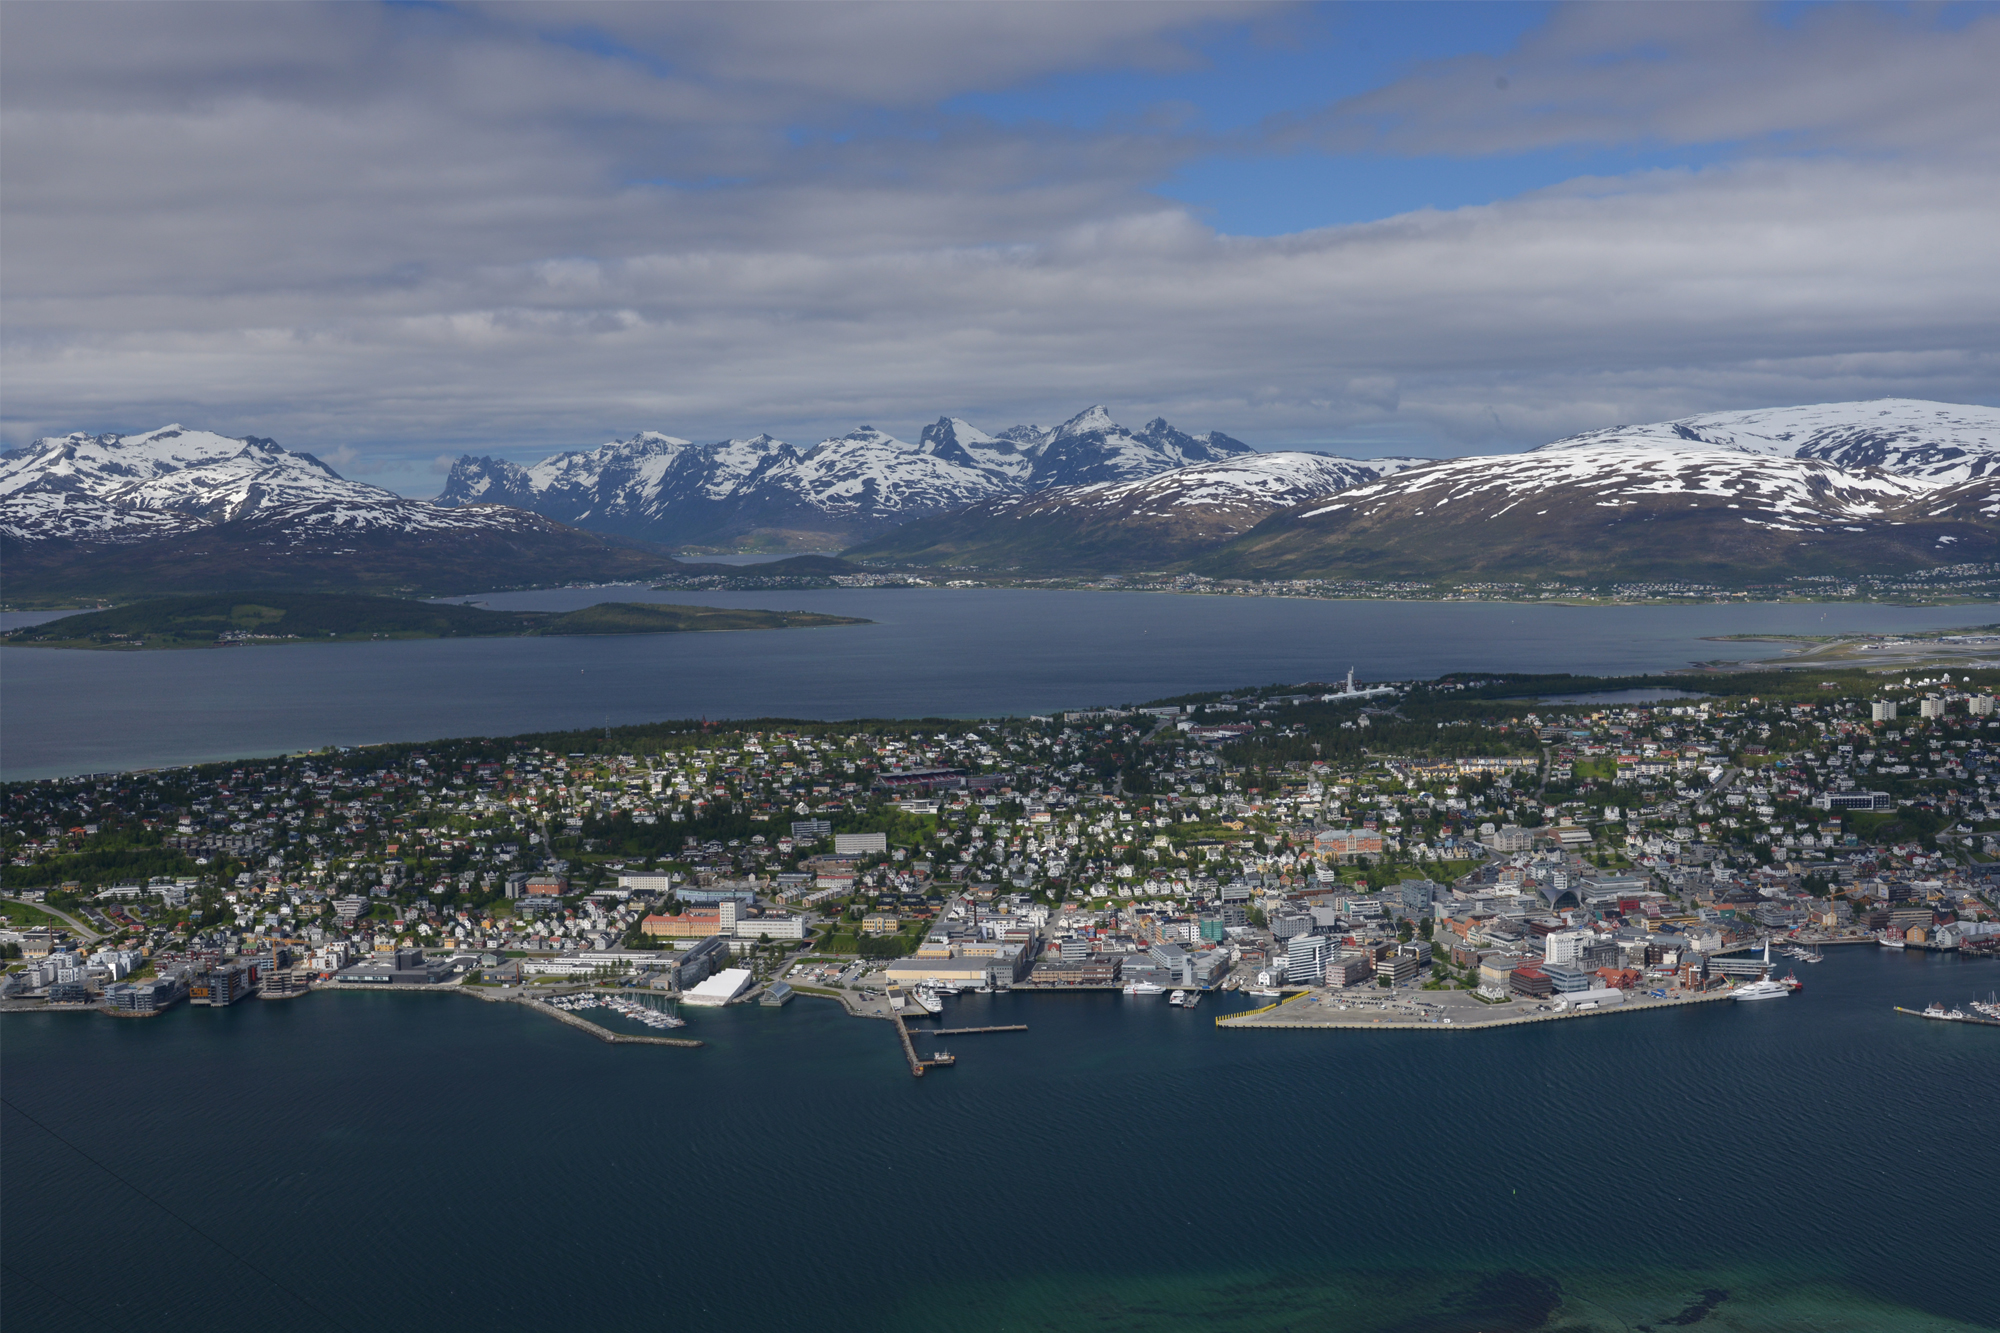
x=721 y=988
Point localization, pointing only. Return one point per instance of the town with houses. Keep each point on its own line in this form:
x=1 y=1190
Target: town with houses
x=1452 y=851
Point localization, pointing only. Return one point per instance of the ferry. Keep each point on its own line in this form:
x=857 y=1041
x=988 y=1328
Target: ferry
x=1178 y=998
x=1143 y=988
x=926 y=996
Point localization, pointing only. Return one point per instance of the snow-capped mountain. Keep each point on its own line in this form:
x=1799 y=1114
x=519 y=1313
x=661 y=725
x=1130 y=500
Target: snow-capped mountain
x=956 y=440
x=842 y=489
x=86 y=504
x=1091 y=447
x=1117 y=525
x=1936 y=442
x=1720 y=498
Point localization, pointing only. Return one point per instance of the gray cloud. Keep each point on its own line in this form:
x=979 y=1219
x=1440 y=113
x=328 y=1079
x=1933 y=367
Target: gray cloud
x=1676 y=73
x=513 y=229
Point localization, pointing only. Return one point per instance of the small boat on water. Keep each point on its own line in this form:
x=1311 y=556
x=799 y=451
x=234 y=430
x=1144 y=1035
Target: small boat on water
x=1178 y=998
x=1938 y=1011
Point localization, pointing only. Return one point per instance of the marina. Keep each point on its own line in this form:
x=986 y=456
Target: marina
x=1939 y=1012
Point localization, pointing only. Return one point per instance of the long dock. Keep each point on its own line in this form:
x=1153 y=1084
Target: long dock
x=1313 y=1010
x=966 y=1032
x=909 y=1047
x=1946 y=1018
x=606 y=1034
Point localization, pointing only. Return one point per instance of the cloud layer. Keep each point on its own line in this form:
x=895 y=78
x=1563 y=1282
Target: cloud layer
x=410 y=231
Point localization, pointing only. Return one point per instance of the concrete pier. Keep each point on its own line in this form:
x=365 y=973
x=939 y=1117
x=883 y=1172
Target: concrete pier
x=1449 y=1011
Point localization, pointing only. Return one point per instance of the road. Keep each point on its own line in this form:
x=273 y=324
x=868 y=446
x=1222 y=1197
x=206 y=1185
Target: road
x=83 y=932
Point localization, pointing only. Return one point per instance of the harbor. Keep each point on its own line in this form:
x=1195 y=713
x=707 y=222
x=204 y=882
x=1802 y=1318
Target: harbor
x=1439 y=1011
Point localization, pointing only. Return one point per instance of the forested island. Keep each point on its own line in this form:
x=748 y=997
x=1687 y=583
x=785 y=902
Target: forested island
x=233 y=619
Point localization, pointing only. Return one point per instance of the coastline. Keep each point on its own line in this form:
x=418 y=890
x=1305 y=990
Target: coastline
x=1318 y=1009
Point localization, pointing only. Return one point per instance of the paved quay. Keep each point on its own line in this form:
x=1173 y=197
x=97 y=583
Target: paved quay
x=1437 y=1011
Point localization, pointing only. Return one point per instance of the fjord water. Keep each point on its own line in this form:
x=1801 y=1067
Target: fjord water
x=935 y=652
x=429 y=1161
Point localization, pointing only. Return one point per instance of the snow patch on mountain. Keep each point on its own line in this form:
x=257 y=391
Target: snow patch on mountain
x=1940 y=443
x=1622 y=472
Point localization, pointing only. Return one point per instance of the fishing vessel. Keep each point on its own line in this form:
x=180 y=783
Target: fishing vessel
x=1888 y=941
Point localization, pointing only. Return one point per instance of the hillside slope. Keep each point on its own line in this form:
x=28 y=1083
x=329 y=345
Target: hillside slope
x=1159 y=522
x=1611 y=508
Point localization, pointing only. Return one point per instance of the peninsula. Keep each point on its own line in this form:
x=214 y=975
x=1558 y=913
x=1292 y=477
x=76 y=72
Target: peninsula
x=1486 y=849
x=233 y=619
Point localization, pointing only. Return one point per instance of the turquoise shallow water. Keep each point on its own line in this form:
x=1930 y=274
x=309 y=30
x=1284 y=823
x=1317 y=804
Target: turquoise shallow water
x=433 y=1162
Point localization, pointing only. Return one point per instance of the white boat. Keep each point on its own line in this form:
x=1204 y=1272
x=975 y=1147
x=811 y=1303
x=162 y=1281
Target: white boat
x=1766 y=989
x=1265 y=992
x=1888 y=941
x=927 y=998
x=1143 y=988
x=1179 y=997
x=1193 y=999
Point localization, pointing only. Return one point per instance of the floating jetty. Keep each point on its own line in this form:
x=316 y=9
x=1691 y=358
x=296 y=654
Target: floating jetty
x=966 y=1032
x=603 y=1033
x=1953 y=1016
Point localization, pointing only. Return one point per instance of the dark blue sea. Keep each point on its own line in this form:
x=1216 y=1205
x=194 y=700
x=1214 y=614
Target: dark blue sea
x=958 y=652
x=349 y=1161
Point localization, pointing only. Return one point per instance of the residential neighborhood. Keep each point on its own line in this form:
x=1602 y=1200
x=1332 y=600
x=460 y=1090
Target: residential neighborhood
x=1406 y=836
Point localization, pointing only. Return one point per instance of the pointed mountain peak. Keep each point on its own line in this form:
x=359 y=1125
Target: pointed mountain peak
x=1091 y=419
x=948 y=431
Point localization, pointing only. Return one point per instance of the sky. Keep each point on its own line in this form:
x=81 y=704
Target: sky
x=390 y=234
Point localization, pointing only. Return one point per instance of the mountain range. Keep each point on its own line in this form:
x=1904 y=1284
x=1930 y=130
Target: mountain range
x=1728 y=498
x=1118 y=526
x=176 y=510
x=849 y=488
